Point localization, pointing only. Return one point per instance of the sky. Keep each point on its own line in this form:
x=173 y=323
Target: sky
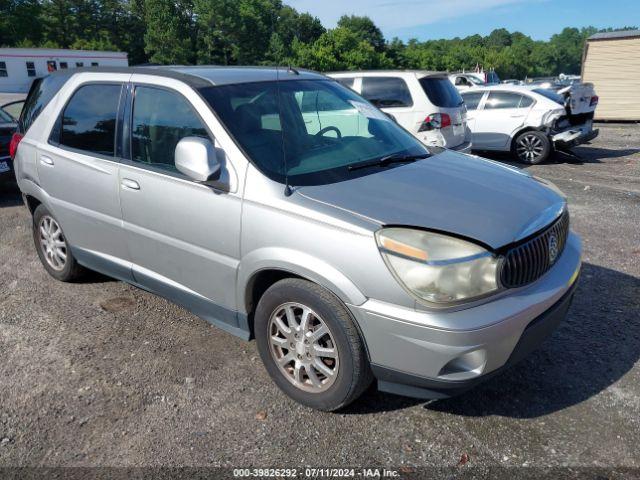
x=433 y=19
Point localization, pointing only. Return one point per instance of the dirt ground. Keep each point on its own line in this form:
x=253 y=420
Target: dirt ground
x=103 y=374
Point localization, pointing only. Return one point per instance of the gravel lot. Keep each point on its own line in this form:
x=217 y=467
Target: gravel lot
x=103 y=374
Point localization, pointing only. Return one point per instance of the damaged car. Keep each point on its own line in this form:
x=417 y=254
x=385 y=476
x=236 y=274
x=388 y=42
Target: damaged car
x=530 y=122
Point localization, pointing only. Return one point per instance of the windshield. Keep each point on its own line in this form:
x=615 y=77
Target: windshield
x=5 y=117
x=476 y=80
x=441 y=92
x=550 y=94
x=317 y=128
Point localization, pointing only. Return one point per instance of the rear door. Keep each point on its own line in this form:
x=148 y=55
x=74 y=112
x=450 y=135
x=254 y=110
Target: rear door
x=78 y=168
x=503 y=113
x=183 y=236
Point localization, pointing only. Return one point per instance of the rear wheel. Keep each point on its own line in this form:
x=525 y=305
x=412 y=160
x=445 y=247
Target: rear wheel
x=532 y=147
x=310 y=346
x=52 y=247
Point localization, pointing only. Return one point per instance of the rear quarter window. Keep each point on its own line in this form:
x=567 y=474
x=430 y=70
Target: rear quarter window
x=441 y=92
x=40 y=94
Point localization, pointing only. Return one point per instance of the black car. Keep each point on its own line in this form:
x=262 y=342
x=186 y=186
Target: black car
x=8 y=125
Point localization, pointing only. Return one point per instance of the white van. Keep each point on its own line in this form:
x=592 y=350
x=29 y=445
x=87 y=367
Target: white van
x=424 y=103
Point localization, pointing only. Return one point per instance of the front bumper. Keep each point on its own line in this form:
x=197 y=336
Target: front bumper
x=574 y=136
x=431 y=354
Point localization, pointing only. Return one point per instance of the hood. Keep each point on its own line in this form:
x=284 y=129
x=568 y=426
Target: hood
x=450 y=192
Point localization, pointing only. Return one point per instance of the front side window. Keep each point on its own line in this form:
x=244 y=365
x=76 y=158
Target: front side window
x=3 y=69
x=160 y=119
x=462 y=81
x=324 y=129
x=89 y=119
x=31 y=69
x=386 y=92
x=472 y=100
x=502 y=100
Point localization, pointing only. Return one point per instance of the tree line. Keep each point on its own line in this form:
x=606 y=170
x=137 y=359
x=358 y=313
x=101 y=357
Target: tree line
x=268 y=32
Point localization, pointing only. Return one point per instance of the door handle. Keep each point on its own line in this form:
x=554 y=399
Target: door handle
x=517 y=116
x=46 y=160
x=130 y=184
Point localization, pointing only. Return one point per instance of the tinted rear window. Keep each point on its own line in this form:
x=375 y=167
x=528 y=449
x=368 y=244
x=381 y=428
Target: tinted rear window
x=386 y=92
x=441 y=92
x=89 y=119
x=41 y=92
x=551 y=95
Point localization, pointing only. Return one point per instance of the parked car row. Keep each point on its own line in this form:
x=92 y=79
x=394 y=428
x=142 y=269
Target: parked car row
x=531 y=122
x=287 y=208
x=424 y=103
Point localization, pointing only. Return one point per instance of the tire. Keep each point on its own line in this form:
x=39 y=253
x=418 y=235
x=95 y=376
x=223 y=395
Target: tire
x=51 y=244
x=291 y=297
x=532 y=147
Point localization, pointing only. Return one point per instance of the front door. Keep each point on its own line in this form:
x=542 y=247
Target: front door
x=183 y=236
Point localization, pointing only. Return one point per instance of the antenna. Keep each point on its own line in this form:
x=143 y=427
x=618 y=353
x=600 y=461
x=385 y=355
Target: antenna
x=287 y=188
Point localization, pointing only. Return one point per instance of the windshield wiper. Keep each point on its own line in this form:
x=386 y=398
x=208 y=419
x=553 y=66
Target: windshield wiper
x=388 y=160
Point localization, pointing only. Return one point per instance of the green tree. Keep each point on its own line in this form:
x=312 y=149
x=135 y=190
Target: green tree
x=365 y=30
x=20 y=21
x=339 y=49
x=168 y=37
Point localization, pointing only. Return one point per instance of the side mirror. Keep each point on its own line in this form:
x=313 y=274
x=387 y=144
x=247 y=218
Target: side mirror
x=196 y=158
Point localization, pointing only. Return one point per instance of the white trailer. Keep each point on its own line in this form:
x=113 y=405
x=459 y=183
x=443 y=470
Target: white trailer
x=19 y=66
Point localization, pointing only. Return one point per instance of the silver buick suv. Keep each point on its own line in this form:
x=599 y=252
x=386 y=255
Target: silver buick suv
x=279 y=205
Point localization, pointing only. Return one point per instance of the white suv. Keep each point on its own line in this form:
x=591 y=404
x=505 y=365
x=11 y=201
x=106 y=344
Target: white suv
x=424 y=103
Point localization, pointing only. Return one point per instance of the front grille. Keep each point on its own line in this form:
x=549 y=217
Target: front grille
x=527 y=262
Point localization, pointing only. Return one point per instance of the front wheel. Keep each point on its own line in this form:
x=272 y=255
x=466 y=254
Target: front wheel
x=310 y=346
x=532 y=147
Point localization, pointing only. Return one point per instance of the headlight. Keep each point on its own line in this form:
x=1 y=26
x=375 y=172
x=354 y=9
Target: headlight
x=436 y=267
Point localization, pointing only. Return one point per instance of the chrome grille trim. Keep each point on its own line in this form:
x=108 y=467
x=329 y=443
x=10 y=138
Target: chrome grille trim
x=527 y=262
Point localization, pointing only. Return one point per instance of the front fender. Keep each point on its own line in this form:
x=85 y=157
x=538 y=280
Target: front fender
x=298 y=263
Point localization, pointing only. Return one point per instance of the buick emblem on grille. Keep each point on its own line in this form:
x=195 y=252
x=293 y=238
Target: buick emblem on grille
x=553 y=248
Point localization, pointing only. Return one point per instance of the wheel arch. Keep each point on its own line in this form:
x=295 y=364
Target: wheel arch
x=33 y=195
x=262 y=268
x=520 y=131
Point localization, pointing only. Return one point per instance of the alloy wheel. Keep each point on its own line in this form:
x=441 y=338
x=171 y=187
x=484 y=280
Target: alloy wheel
x=529 y=148
x=52 y=243
x=303 y=347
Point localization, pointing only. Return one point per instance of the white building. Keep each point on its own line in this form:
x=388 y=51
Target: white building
x=19 y=66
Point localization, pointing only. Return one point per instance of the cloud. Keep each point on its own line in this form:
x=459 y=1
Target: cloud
x=392 y=16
